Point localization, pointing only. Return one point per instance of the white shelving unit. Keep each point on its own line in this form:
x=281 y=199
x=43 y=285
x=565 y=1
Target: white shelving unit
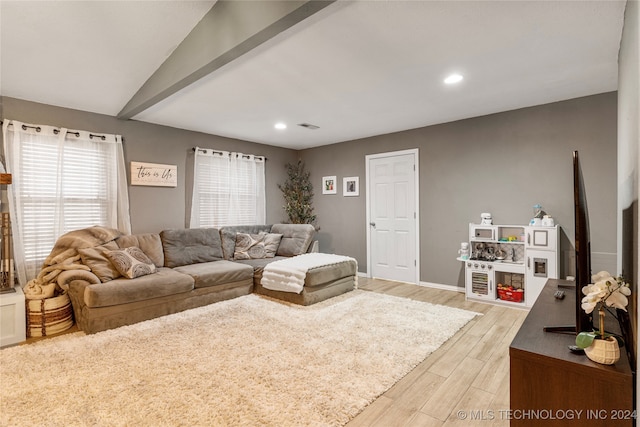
x=531 y=257
x=12 y=318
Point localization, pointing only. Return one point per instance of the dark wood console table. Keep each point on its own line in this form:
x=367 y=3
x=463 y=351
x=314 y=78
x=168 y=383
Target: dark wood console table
x=550 y=386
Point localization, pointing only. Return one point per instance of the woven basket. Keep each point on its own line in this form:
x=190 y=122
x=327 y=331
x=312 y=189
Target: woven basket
x=48 y=316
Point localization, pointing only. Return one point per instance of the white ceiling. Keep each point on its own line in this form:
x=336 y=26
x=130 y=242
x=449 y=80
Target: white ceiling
x=356 y=68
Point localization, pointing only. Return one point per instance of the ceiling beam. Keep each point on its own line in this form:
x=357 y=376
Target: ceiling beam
x=230 y=29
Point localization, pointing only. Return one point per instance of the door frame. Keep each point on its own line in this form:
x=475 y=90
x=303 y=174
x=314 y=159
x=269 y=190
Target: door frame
x=415 y=152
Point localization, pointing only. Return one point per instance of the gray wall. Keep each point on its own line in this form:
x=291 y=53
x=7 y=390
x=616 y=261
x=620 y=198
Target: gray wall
x=502 y=163
x=156 y=208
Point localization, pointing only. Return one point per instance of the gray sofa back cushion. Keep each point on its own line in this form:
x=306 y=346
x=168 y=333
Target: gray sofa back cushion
x=191 y=246
x=296 y=238
x=149 y=243
x=228 y=235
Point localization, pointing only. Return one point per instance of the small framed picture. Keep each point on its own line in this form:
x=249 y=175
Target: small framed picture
x=329 y=185
x=351 y=186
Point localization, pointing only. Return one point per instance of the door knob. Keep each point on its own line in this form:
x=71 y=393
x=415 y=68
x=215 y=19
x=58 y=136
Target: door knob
x=373 y=224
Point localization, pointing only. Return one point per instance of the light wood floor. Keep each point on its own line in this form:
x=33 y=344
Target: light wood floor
x=464 y=382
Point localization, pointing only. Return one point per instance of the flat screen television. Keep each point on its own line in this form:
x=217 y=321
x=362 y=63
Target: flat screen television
x=582 y=245
x=584 y=321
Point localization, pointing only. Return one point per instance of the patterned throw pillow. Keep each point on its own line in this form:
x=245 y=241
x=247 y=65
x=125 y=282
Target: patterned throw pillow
x=249 y=246
x=256 y=246
x=131 y=262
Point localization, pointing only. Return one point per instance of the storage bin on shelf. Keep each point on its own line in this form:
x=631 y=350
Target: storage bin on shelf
x=510 y=294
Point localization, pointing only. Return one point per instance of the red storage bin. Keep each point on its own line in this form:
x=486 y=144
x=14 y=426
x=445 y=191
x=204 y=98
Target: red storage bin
x=515 y=295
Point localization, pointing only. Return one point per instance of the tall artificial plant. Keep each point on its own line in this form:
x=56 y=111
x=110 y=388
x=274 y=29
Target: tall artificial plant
x=298 y=194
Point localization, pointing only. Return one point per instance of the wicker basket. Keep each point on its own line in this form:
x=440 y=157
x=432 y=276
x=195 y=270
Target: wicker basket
x=48 y=316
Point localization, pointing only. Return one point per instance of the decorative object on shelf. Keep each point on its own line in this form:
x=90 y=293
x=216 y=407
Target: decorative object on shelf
x=485 y=219
x=538 y=215
x=351 y=186
x=547 y=221
x=297 y=191
x=464 y=250
x=329 y=185
x=605 y=291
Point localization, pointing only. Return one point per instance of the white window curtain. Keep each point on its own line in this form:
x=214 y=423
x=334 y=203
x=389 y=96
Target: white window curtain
x=63 y=180
x=228 y=189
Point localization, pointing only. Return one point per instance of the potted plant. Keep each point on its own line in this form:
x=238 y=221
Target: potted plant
x=605 y=291
x=298 y=195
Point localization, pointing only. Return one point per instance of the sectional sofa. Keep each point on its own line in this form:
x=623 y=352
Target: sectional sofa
x=188 y=268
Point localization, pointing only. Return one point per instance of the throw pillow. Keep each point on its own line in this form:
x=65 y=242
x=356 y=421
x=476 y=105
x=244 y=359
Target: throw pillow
x=271 y=243
x=249 y=246
x=131 y=262
x=296 y=238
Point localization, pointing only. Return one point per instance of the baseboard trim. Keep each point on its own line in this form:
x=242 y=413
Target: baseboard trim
x=441 y=286
x=425 y=284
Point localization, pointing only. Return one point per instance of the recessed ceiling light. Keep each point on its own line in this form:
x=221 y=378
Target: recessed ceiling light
x=280 y=125
x=453 y=78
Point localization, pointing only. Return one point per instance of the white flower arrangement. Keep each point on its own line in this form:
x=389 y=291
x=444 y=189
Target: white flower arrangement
x=605 y=290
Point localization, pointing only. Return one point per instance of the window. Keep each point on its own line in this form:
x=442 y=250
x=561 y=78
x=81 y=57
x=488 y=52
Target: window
x=228 y=189
x=62 y=181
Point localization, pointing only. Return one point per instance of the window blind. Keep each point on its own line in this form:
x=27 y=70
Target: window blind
x=228 y=189
x=82 y=175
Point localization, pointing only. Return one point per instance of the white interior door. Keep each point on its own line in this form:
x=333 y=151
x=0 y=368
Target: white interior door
x=392 y=201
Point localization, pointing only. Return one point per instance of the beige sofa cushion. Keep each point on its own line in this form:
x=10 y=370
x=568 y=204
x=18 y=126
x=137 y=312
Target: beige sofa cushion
x=190 y=246
x=123 y=291
x=150 y=244
x=296 y=238
x=217 y=273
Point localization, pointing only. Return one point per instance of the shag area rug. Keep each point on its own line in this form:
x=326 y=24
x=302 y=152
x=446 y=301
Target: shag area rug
x=250 y=361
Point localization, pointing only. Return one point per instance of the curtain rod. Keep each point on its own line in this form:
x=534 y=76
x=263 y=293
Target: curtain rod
x=204 y=150
x=57 y=131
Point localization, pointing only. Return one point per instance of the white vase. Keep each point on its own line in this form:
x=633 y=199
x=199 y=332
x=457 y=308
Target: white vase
x=604 y=351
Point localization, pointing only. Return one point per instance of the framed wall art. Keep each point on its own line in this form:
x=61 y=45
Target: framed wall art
x=351 y=186
x=154 y=174
x=329 y=185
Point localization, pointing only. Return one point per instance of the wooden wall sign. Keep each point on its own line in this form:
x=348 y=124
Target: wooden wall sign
x=154 y=174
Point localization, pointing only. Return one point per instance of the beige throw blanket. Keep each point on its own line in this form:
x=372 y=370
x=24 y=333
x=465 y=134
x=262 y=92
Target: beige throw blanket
x=288 y=274
x=63 y=263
